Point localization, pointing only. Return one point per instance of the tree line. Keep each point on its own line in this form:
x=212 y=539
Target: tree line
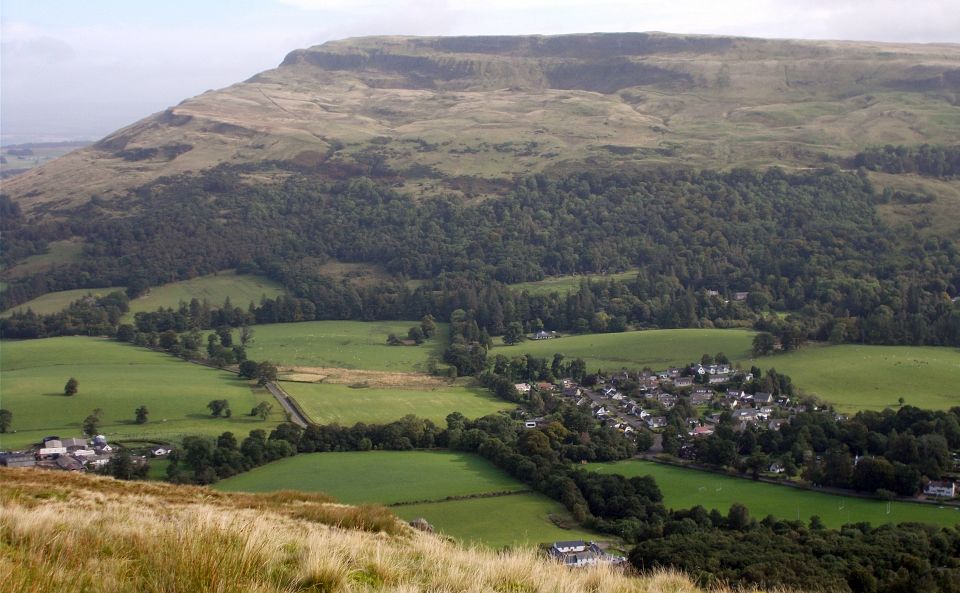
x=810 y=242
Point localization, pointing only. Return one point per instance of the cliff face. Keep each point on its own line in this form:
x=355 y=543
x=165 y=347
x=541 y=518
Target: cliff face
x=431 y=112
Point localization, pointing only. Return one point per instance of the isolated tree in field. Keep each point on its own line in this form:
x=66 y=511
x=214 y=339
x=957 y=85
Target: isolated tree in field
x=218 y=407
x=266 y=372
x=6 y=419
x=763 y=343
x=71 y=387
x=246 y=335
x=91 y=424
x=141 y=415
x=428 y=325
x=248 y=369
x=416 y=334
x=514 y=333
x=262 y=409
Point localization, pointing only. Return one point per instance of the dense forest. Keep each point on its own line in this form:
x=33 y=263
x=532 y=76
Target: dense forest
x=810 y=243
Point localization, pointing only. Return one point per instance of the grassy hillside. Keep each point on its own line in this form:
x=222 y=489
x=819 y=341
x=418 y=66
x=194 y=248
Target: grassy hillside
x=874 y=377
x=684 y=488
x=54 y=302
x=346 y=405
x=565 y=284
x=117 y=378
x=170 y=538
x=657 y=349
x=241 y=288
x=391 y=477
x=441 y=111
x=345 y=344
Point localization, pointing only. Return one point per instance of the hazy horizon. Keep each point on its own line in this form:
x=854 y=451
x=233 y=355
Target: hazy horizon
x=78 y=71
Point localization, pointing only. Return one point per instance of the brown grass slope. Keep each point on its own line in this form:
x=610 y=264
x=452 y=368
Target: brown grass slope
x=73 y=533
x=463 y=113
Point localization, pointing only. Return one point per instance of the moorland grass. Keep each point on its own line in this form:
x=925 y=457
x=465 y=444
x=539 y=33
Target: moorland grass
x=345 y=344
x=345 y=405
x=384 y=477
x=117 y=378
x=685 y=487
x=657 y=349
x=156 y=537
x=856 y=377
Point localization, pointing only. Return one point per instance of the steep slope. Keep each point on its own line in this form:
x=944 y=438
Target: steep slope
x=464 y=113
x=73 y=533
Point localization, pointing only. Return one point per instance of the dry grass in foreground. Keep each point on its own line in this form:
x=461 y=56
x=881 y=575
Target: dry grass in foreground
x=72 y=533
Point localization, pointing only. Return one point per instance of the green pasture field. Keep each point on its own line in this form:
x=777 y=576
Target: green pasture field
x=389 y=477
x=241 y=288
x=328 y=403
x=873 y=377
x=657 y=349
x=384 y=477
x=684 y=488
x=513 y=520
x=58 y=252
x=54 y=302
x=117 y=378
x=345 y=344
x=565 y=284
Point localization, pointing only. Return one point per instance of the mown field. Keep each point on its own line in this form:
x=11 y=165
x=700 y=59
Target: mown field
x=517 y=519
x=241 y=288
x=874 y=377
x=345 y=344
x=386 y=477
x=54 y=302
x=345 y=405
x=117 y=378
x=684 y=488
x=565 y=284
x=390 y=477
x=657 y=349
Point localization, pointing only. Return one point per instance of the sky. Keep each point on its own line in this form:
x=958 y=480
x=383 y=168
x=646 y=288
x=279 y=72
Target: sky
x=79 y=69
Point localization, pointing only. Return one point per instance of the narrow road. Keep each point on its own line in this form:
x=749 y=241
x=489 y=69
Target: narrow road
x=292 y=411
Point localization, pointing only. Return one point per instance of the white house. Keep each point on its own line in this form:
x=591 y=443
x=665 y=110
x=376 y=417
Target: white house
x=942 y=489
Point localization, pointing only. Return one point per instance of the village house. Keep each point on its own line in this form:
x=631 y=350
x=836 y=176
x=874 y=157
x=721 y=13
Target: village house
x=698 y=398
x=572 y=391
x=522 y=388
x=656 y=421
x=740 y=296
x=701 y=431
x=544 y=335
x=762 y=397
x=719 y=378
x=579 y=553
x=943 y=489
x=683 y=381
x=545 y=387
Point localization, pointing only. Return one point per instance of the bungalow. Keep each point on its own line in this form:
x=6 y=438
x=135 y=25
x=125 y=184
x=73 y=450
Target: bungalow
x=740 y=296
x=747 y=415
x=572 y=391
x=523 y=388
x=943 y=489
x=544 y=386
x=656 y=421
x=683 y=381
x=719 y=378
x=544 y=335
x=701 y=431
x=567 y=547
x=700 y=399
